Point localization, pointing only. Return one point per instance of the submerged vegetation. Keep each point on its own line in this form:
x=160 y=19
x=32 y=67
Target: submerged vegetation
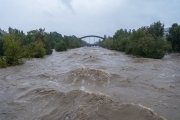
x=15 y=45
x=148 y=41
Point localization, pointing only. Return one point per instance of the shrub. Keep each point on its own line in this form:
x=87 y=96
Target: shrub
x=34 y=49
x=13 y=51
x=3 y=63
x=108 y=43
x=148 y=47
x=61 y=46
x=39 y=49
x=145 y=45
x=122 y=44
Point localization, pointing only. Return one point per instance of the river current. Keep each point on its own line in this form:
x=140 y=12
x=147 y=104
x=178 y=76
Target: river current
x=91 y=83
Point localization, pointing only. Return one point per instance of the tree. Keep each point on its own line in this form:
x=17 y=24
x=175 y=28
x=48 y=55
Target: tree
x=119 y=34
x=39 y=49
x=61 y=46
x=48 y=44
x=174 y=37
x=40 y=36
x=13 y=51
x=157 y=29
x=108 y=43
x=35 y=49
x=122 y=44
x=142 y=44
x=1 y=47
x=139 y=43
x=67 y=41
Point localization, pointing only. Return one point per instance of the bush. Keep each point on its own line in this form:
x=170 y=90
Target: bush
x=39 y=49
x=148 y=47
x=34 y=49
x=61 y=46
x=122 y=44
x=138 y=43
x=13 y=51
x=174 y=37
x=108 y=43
x=3 y=63
x=49 y=51
x=1 y=47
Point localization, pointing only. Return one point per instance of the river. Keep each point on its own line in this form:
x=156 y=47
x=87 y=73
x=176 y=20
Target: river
x=91 y=83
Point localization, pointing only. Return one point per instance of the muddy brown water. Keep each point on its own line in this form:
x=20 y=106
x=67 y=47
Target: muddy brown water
x=91 y=83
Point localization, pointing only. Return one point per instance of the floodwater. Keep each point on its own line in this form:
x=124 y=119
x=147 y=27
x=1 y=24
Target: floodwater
x=91 y=83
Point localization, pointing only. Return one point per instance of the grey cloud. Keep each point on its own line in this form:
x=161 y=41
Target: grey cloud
x=83 y=17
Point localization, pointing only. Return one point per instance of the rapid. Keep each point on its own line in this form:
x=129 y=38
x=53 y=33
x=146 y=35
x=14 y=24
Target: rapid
x=91 y=83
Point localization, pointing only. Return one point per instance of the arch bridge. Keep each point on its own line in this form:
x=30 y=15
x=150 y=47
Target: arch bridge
x=88 y=36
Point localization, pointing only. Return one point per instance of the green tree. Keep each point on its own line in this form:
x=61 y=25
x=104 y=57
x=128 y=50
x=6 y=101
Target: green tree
x=157 y=29
x=108 y=43
x=61 y=46
x=39 y=49
x=174 y=37
x=118 y=36
x=48 y=44
x=67 y=41
x=1 y=47
x=13 y=51
x=34 y=49
x=40 y=36
x=122 y=44
x=55 y=37
x=75 y=43
x=145 y=45
x=121 y=34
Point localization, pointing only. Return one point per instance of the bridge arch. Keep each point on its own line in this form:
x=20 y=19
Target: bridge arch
x=92 y=36
x=89 y=44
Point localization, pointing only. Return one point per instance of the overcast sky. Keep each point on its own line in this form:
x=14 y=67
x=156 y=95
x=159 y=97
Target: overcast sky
x=86 y=17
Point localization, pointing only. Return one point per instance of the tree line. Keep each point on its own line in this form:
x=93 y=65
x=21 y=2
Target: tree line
x=15 y=45
x=148 y=41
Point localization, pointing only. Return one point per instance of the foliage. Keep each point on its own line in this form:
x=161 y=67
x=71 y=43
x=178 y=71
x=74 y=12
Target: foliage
x=157 y=29
x=61 y=46
x=66 y=40
x=13 y=51
x=108 y=43
x=121 y=34
x=149 y=47
x=39 y=49
x=15 y=45
x=119 y=39
x=82 y=43
x=145 y=42
x=75 y=43
x=1 y=47
x=34 y=49
x=2 y=33
x=47 y=44
x=174 y=37
x=54 y=38
x=39 y=36
x=3 y=63
x=122 y=44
